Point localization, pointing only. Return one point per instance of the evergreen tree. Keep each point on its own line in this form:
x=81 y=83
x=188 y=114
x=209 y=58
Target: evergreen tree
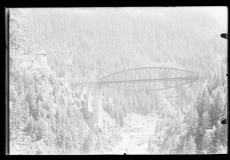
x=13 y=94
x=192 y=119
x=206 y=121
x=207 y=102
x=30 y=127
x=40 y=129
x=59 y=131
x=207 y=142
x=121 y=117
x=213 y=148
x=200 y=105
x=17 y=36
x=15 y=132
x=87 y=145
x=221 y=133
x=219 y=102
x=31 y=99
x=24 y=113
x=191 y=145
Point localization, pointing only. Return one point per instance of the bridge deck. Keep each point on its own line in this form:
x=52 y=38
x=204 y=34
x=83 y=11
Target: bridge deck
x=146 y=78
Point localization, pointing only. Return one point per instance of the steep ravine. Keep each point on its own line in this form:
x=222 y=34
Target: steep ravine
x=135 y=135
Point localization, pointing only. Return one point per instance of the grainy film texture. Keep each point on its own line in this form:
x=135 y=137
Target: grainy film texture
x=132 y=80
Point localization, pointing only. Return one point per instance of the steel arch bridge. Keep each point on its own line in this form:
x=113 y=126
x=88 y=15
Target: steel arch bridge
x=139 y=79
x=146 y=79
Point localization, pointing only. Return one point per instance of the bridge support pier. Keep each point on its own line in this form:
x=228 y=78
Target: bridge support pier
x=97 y=107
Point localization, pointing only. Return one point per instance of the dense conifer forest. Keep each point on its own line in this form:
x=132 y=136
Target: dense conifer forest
x=47 y=114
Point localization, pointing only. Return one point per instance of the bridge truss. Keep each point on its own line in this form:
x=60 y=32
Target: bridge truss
x=148 y=79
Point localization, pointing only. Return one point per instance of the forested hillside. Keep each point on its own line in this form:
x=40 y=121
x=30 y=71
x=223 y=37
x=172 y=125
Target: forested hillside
x=46 y=116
